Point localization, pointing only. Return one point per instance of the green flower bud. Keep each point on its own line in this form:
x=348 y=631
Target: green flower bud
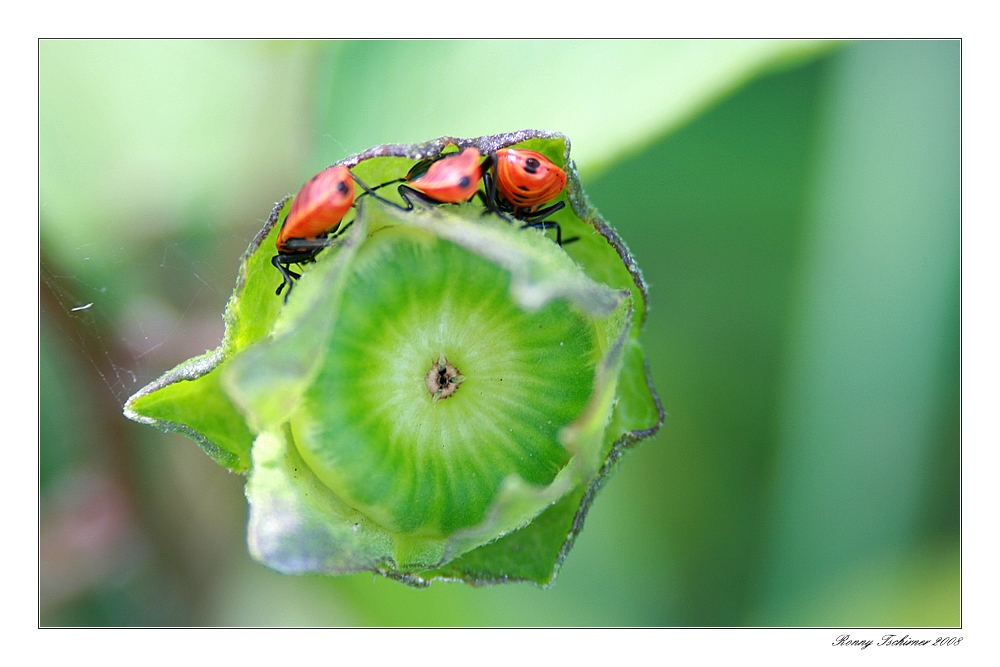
x=441 y=396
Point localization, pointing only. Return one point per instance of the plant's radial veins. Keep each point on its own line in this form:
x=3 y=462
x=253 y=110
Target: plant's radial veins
x=372 y=431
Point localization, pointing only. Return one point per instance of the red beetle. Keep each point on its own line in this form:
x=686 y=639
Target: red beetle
x=451 y=180
x=527 y=179
x=318 y=208
x=519 y=181
x=316 y=213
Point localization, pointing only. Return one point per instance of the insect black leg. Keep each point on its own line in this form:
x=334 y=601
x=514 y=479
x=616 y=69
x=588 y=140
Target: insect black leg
x=306 y=251
x=493 y=207
x=482 y=197
x=371 y=191
x=545 y=225
x=543 y=213
x=288 y=275
x=405 y=191
x=535 y=220
x=551 y=225
x=418 y=169
x=341 y=230
x=490 y=182
x=490 y=196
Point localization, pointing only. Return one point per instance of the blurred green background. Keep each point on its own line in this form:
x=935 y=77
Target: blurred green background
x=793 y=205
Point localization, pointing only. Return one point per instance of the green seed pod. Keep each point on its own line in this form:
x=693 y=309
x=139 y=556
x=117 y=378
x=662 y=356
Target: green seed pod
x=441 y=396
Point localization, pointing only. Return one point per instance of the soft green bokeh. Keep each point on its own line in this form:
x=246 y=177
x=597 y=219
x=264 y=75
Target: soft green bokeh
x=137 y=136
x=610 y=97
x=800 y=239
x=862 y=390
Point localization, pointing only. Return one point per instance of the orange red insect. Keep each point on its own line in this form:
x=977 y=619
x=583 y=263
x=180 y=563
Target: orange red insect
x=316 y=213
x=451 y=180
x=516 y=185
x=519 y=182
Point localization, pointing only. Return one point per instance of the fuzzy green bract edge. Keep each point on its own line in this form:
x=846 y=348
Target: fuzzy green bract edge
x=239 y=401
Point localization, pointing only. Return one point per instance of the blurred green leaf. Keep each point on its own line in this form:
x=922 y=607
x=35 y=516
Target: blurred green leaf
x=713 y=214
x=136 y=137
x=612 y=97
x=919 y=589
x=863 y=389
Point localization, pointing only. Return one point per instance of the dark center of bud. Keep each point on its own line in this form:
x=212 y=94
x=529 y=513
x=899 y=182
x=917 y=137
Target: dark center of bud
x=443 y=378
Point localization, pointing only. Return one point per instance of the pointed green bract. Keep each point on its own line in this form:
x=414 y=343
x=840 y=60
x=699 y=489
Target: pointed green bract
x=189 y=399
x=441 y=396
x=199 y=409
